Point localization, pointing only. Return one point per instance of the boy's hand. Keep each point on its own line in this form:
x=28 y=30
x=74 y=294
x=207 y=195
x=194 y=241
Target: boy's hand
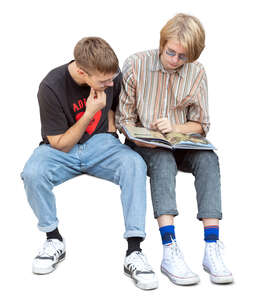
x=96 y=101
x=163 y=125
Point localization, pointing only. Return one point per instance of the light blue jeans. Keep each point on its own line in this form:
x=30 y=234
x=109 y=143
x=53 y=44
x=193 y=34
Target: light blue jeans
x=103 y=156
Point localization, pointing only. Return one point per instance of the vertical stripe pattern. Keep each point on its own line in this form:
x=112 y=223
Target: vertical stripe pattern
x=149 y=92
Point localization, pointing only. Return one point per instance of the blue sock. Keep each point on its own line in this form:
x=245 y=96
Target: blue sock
x=167 y=234
x=211 y=233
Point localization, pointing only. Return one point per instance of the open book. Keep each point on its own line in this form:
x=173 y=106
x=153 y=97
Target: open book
x=171 y=140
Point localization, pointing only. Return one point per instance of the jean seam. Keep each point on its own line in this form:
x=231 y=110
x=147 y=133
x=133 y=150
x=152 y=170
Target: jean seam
x=173 y=213
x=115 y=175
x=209 y=215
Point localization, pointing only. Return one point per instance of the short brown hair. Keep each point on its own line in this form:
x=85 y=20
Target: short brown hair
x=188 y=31
x=95 y=54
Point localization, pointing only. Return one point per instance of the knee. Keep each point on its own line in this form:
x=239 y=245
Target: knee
x=38 y=167
x=208 y=157
x=207 y=160
x=34 y=173
x=163 y=160
x=133 y=162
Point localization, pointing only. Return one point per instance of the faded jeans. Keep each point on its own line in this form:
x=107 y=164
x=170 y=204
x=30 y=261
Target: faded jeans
x=103 y=156
x=162 y=167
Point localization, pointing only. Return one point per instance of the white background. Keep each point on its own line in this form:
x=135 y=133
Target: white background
x=37 y=36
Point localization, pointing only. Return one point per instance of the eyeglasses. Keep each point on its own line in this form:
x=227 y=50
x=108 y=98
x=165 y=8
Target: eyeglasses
x=104 y=82
x=111 y=79
x=181 y=56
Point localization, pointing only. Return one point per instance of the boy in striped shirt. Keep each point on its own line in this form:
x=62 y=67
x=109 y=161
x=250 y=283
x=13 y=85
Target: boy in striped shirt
x=166 y=90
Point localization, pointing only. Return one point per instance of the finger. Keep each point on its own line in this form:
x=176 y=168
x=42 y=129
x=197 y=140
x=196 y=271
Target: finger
x=92 y=93
x=156 y=124
x=100 y=93
x=165 y=131
x=153 y=127
x=161 y=122
x=162 y=126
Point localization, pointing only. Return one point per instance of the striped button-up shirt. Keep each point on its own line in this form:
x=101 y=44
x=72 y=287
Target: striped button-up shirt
x=149 y=92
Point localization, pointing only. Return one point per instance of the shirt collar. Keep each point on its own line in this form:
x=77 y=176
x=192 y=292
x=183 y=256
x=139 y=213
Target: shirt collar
x=157 y=66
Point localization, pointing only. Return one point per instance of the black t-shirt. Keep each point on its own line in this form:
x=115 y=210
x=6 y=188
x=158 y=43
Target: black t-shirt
x=62 y=103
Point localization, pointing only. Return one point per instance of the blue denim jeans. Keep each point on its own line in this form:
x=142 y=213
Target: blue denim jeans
x=103 y=156
x=162 y=167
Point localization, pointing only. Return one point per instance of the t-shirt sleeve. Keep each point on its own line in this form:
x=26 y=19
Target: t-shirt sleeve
x=53 y=119
x=116 y=91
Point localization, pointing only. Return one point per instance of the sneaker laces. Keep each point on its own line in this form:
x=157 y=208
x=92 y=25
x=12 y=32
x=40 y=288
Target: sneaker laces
x=215 y=253
x=50 y=248
x=139 y=262
x=177 y=258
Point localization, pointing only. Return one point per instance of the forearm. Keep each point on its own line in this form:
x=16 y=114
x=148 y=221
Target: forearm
x=188 y=128
x=71 y=137
x=65 y=142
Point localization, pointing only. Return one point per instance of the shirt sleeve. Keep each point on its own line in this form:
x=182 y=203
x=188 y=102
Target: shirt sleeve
x=53 y=119
x=126 y=112
x=198 y=110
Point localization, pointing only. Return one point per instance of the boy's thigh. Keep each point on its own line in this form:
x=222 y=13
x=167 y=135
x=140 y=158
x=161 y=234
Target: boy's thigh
x=56 y=165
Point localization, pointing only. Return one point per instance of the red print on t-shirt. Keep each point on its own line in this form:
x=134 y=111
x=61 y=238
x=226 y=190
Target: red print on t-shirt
x=95 y=120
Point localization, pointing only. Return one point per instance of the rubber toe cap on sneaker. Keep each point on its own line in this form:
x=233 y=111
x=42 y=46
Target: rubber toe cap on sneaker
x=185 y=279
x=146 y=281
x=42 y=266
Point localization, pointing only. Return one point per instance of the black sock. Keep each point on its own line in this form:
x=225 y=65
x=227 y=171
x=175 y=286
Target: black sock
x=134 y=244
x=54 y=235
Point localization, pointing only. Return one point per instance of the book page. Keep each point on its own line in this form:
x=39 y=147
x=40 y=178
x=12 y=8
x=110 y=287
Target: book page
x=141 y=132
x=177 y=138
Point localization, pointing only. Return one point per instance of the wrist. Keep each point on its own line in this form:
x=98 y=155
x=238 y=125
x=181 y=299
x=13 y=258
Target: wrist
x=89 y=114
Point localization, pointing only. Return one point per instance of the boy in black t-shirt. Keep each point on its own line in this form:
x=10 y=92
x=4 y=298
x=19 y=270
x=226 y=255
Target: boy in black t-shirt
x=77 y=105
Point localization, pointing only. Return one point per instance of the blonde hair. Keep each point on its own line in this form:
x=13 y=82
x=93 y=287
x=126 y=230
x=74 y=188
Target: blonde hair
x=188 y=31
x=95 y=54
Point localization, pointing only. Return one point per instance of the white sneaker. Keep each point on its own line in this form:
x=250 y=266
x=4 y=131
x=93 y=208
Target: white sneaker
x=52 y=252
x=137 y=267
x=174 y=266
x=214 y=265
